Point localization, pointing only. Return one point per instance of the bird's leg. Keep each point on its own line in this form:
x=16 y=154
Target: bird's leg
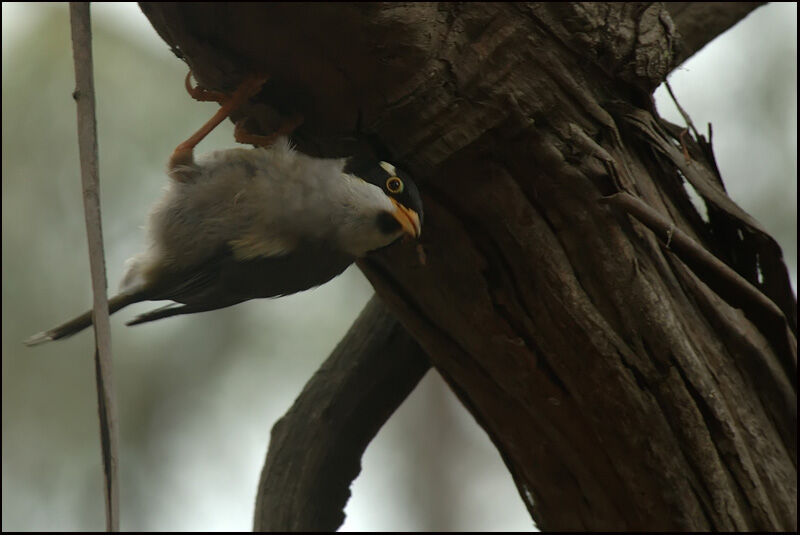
x=183 y=155
x=243 y=136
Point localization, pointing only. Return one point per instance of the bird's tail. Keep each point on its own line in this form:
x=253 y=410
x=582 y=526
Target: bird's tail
x=174 y=309
x=79 y=323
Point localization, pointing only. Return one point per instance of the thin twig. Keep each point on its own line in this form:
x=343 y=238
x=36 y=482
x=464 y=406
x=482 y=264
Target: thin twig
x=683 y=113
x=87 y=142
x=684 y=145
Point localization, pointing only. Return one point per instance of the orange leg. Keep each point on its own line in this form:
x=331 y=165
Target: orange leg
x=183 y=153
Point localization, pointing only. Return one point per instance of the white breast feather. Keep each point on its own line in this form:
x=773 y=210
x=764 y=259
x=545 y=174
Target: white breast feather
x=262 y=202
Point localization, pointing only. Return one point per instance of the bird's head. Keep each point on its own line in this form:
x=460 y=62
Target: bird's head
x=404 y=214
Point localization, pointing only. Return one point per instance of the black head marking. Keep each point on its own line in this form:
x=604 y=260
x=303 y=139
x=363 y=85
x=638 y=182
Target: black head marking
x=385 y=175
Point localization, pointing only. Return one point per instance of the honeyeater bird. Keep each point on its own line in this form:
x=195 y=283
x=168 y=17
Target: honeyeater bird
x=241 y=224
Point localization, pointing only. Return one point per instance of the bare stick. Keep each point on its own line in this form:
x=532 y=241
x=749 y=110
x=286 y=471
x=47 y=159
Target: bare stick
x=689 y=123
x=87 y=142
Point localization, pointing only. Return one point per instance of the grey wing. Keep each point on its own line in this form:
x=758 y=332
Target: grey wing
x=223 y=280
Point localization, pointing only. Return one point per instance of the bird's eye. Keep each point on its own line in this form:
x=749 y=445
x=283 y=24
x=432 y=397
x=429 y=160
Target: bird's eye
x=394 y=185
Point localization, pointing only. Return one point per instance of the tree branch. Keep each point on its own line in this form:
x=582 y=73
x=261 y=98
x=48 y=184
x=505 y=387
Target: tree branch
x=316 y=448
x=569 y=336
x=701 y=22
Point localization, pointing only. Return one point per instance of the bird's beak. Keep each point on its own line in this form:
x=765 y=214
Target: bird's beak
x=408 y=219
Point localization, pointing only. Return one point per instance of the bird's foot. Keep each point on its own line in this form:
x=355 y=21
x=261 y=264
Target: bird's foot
x=183 y=155
x=246 y=89
x=202 y=94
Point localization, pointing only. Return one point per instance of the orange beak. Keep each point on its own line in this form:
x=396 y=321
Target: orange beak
x=408 y=219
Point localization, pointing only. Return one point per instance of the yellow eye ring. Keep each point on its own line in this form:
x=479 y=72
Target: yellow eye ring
x=394 y=185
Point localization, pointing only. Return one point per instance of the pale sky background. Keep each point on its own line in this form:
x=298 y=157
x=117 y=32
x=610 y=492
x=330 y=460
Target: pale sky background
x=198 y=395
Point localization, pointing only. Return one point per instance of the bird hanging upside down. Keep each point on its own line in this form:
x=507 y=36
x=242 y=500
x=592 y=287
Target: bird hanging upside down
x=241 y=224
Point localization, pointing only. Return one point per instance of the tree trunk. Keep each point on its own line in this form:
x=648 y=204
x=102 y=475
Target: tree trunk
x=629 y=379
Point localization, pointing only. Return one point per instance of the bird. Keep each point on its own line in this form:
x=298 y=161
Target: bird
x=261 y=222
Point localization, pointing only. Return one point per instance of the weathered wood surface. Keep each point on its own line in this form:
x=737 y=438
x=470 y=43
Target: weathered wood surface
x=621 y=389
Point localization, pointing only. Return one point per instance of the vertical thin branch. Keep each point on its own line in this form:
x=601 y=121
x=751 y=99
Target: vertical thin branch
x=87 y=142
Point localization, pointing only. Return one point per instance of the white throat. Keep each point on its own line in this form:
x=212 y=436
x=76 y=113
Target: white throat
x=356 y=212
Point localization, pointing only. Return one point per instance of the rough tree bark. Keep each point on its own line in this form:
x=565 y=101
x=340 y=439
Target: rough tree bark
x=628 y=380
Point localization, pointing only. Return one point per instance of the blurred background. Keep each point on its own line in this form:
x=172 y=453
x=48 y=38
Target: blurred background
x=198 y=395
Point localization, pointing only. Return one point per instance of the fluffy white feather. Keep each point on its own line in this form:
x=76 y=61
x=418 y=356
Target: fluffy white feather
x=261 y=202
